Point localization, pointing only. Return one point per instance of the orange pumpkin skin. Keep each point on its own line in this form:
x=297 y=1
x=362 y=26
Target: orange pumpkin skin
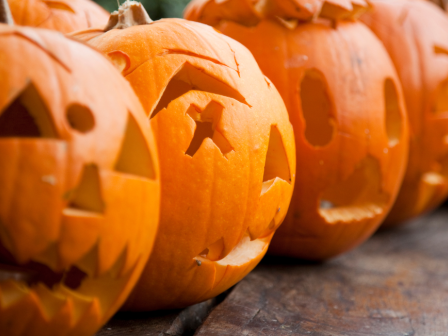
x=223 y=195
x=333 y=76
x=80 y=195
x=65 y=16
x=414 y=34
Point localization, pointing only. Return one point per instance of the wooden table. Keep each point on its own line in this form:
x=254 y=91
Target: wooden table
x=396 y=284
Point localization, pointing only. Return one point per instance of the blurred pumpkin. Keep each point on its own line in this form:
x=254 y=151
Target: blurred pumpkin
x=226 y=153
x=62 y=15
x=415 y=35
x=345 y=103
x=79 y=196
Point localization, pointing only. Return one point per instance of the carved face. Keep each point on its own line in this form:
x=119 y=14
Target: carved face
x=80 y=188
x=414 y=34
x=62 y=15
x=345 y=104
x=226 y=151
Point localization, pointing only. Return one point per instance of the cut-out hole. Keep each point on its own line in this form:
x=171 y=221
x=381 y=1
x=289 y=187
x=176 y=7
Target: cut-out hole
x=135 y=157
x=440 y=50
x=206 y=123
x=214 y=251
x=393 y=114
x=80 y=118
x=441 y=101
x=27 y=116
x=203 y=130
x=87 y=196
x=120 y=60
x=357 y=198
x=317 y=109
x=59 y=5
x=190 y=78
x=276 y=165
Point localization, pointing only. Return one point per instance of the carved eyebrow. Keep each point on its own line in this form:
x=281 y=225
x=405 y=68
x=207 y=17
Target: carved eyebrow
x=188 y=78
x=192 y=54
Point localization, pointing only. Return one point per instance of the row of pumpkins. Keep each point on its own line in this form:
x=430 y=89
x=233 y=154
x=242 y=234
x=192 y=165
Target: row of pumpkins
x=188 y=156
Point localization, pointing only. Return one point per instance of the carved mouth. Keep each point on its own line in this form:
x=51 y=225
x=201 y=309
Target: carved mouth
x=49 y=293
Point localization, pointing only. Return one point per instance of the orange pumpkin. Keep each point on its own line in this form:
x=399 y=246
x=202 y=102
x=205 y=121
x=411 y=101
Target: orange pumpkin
x=415 y=35
x=62 y=15
x=226 y=153
x=345 y=103
x=79 y=196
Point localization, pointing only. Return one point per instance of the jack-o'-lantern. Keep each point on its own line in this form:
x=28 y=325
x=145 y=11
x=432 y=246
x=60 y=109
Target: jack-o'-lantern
x=415 y=35
x=345 y=103
x=80 y=194
x=226 y=152
x=65 y=16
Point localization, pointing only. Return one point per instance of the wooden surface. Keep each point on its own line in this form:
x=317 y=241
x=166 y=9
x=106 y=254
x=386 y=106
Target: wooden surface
x=395 y=284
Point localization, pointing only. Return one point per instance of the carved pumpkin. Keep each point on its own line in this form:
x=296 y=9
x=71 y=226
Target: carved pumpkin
x=345 y=103
x=226 y=153
x=415 y=35
x=62 y=15
x=79 y=196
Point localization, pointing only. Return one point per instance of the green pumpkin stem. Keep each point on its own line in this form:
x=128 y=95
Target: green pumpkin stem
x=5 y=13
x=130 y=13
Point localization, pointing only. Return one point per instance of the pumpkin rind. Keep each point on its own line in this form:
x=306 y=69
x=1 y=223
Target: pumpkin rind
x=414 y=34
x=333 y=75
x=65 y=16
x=71 y=208
x=226 y=187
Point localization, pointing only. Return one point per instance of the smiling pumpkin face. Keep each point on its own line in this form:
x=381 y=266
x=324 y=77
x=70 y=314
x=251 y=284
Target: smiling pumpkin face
x=79 y=201
x=62 y=15
x=345 y=103
x=226 y=151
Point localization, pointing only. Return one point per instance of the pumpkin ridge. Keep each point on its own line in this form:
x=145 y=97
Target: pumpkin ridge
x=37 y=44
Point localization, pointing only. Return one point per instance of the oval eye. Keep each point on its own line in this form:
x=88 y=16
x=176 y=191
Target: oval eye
x=80 y=118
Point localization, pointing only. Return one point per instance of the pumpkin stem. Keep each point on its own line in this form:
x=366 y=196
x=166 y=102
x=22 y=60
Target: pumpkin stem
x=5 y=13
x=130 y=13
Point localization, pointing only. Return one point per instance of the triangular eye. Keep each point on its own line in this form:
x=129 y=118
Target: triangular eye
x=27 y=117
x=87 y=196
x=276 y=165
x=135 y=157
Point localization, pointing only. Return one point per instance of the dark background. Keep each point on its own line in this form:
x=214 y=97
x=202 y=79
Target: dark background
x=157 y=9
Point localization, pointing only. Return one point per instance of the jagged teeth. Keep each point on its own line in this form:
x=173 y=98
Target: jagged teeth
x=11 y=292
x=89 y=263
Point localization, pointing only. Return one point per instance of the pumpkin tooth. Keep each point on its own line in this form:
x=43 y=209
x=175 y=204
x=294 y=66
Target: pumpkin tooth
x=80 y=302
x=89 y=263
x=50 y=258
x=50 y=302
x=17 y=314
x=12 y=292
x=117 y=268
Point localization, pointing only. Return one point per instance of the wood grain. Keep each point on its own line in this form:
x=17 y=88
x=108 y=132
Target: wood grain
x=395 y=285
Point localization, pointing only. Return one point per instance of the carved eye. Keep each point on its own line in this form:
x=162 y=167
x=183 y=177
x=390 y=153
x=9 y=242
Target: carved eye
x=393 y=115
x=206 y=122
x=135 y=157
x=27 y=116
x=276 y=164
x=80 y=118
x=317 y=109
